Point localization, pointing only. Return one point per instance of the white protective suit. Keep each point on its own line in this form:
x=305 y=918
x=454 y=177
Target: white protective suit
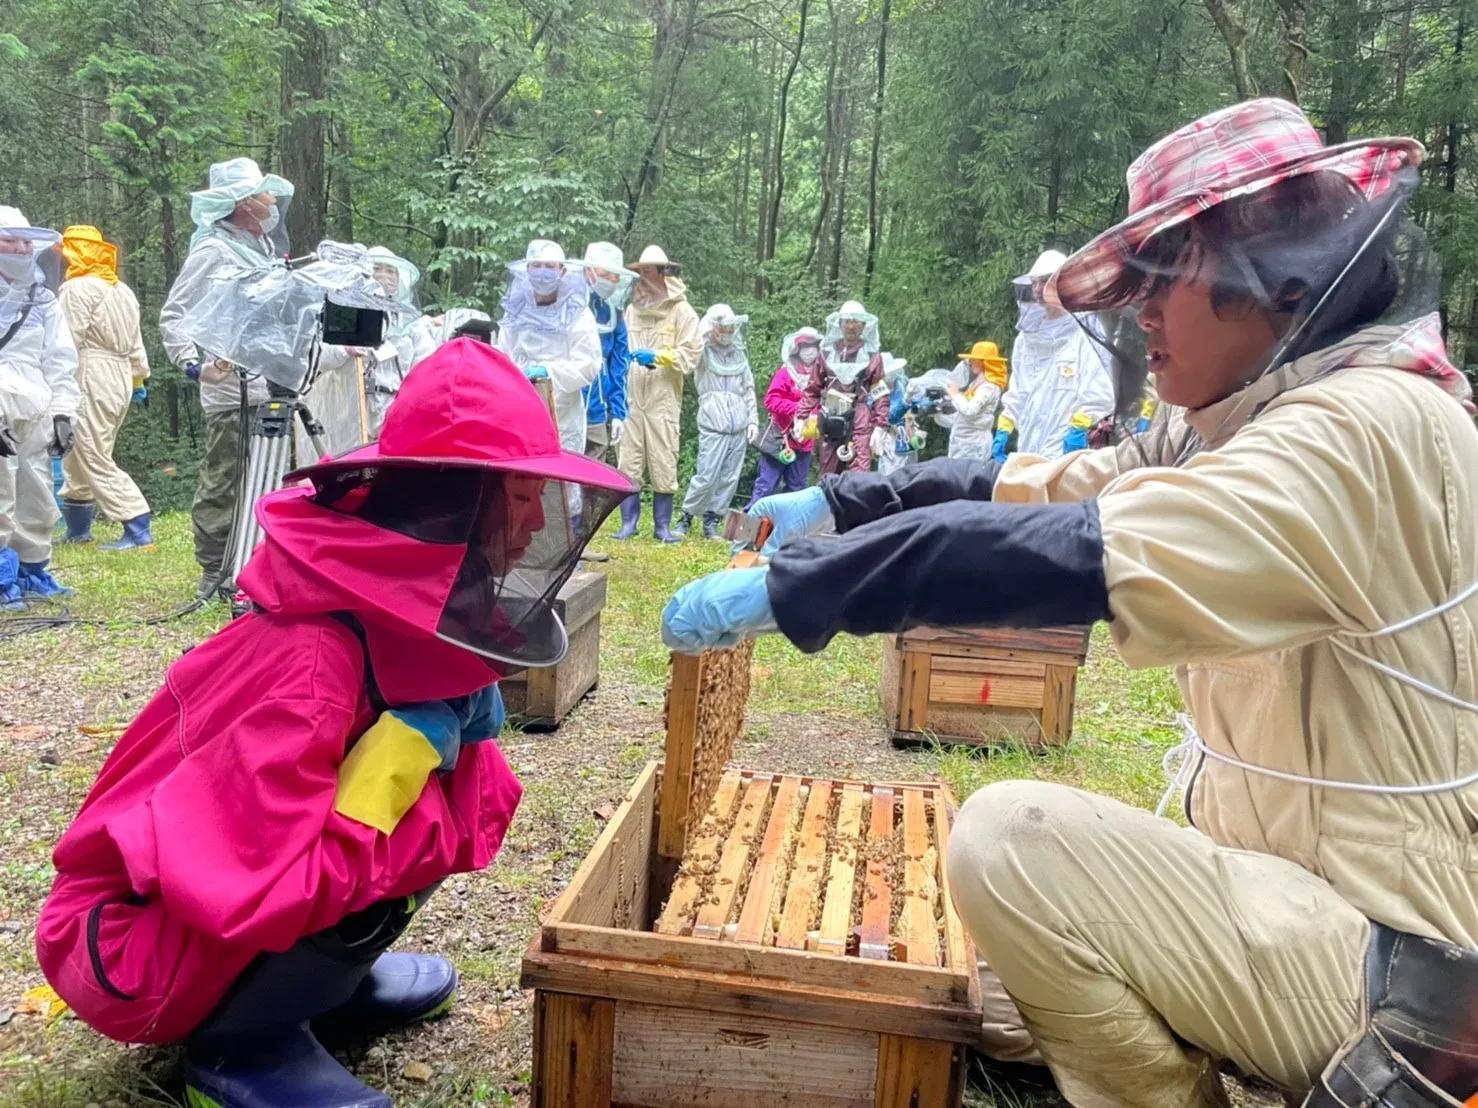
x=38 y=381
x=1057 y=371
x=973 y=429
x=407 y=340
x=561 y=337
x=216 y=248
x=728 y=416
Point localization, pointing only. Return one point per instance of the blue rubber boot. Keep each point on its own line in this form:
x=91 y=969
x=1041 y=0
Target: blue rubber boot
x=136 y=535
x=630 y=516
x=11 y=598
x=292 y=1070
x=401 y=989
x=662 y=518
x=78 y=518
x=38 y=584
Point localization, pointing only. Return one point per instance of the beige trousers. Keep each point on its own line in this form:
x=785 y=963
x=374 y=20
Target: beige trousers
x=1137 y=953
x=650 y=445
x=91 y=473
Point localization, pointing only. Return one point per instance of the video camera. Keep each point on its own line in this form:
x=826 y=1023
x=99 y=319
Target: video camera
x=271 y=320
x=936 y=400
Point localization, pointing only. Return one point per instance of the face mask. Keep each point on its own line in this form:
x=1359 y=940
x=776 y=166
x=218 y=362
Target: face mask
x=544 y=280
x=269 y=224
x=809 y=354
x=16 y=268
x=604 y=287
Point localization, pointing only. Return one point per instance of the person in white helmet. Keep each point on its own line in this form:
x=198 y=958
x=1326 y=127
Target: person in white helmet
x=238 y=226
x=547 y=323
x=39 y=398
x=408 y=336
x=728 y=418
x=848 y=399
x=1060 y=385
x=605 y=399
x=662 y=328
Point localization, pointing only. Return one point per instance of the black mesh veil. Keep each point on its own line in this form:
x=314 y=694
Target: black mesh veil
x=522 y=543
x=1311 y=247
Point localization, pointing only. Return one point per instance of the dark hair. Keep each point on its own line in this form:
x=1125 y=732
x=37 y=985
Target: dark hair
x=1283 y=249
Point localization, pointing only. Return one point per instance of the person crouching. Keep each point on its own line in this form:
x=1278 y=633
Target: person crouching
x=304 y=779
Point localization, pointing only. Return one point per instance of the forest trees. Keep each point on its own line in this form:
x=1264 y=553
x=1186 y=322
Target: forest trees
x=791 y=152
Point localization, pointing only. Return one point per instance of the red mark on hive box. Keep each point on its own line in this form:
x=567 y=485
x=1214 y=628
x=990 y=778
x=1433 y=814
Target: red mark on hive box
x=985 y=691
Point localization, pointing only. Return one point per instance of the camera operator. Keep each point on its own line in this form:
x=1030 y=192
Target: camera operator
x=239 y=225
x=975 y=405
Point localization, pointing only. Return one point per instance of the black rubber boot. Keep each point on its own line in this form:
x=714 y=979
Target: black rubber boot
x=710 y=525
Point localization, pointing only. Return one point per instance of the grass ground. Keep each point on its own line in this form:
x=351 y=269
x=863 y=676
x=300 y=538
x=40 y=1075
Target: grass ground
x=67 y=689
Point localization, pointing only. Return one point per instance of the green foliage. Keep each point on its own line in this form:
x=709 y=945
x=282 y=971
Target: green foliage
x=455 y=130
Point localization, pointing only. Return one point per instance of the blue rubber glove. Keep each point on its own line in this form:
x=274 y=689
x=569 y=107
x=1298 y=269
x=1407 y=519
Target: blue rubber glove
x=1075 y=439
x=192 y=370
x=719 y=610
x=1142 y=425
x=998 y=446
x=647 y=358
x=792 y=515
x=140 y=394
x=437 y=722
x=536 y=373
x=480 y=714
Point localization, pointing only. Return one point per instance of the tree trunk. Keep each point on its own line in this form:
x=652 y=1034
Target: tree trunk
x=1403 y=57
x=777 y=166
x=340 y=184
x=829 y=151
x=1455 y=123
x=1224 y=14
x=762 y=209
x=649 y=173
x=304 y=131
x=1344 y=63
x=168 y=252
x=1295 y=47
x=877 y=143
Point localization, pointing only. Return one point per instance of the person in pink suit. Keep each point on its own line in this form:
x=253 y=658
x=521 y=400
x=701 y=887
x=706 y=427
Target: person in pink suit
x=304 y=779
x=784 y=458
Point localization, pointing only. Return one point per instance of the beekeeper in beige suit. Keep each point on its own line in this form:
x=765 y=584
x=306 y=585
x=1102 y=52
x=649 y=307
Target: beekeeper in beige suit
x=103 y=314
x=1302 y=543
x=662 y=331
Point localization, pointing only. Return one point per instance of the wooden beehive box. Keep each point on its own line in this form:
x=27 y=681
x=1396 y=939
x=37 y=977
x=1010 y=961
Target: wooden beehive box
x=982 y=686
x=737 y=938
x=539 y=699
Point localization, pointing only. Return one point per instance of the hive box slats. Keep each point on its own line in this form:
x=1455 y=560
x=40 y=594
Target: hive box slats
x=981 y=687
x=738 y=938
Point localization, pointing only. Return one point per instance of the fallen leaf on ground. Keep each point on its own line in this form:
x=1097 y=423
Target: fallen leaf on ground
x=41 y=1001
x=417 y=1071
x=604 y=812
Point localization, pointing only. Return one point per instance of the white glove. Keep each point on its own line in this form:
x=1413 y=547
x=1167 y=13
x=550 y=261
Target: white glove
x=618 y=428
x=752 y=433
x=881 y=441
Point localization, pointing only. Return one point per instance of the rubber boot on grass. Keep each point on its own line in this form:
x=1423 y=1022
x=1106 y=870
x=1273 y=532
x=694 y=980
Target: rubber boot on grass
x=662 y=518
x=78 y=518
x=37 y=583
x=258 y=1050
x=630 y=516
x=710 y=525
x=136 y=535
x=683 y=525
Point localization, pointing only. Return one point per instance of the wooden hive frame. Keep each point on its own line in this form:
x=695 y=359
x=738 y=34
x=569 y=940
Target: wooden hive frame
x=681 y=966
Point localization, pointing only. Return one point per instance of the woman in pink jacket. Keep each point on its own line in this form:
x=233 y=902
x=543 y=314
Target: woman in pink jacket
x=304 y=779
x=784 y=458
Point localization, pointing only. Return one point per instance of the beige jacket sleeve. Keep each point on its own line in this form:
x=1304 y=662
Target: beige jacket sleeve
x=1263 y=545
x=689 y=346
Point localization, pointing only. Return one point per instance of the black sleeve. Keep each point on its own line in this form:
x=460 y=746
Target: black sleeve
x=959 y=564
x=858 y=498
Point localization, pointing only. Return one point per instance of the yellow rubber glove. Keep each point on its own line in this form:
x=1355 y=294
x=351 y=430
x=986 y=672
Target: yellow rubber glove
x=812 y=429
x=666 y=358
x=1005 y=423
x=1082 y=421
